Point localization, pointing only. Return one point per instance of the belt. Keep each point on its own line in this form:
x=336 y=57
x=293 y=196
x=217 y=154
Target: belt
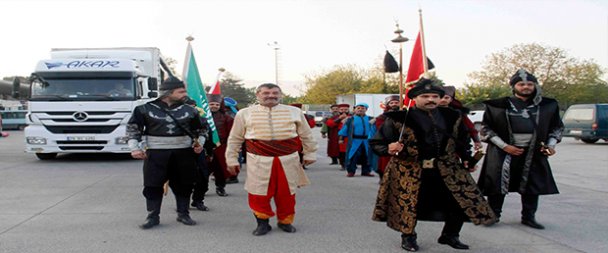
x=359 y=136
x=428 y=164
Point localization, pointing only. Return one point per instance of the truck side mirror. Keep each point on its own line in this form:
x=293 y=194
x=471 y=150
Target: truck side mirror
x=152 y=94
x=152 y=83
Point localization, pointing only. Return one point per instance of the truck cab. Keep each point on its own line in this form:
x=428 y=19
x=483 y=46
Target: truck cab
x=82 y=105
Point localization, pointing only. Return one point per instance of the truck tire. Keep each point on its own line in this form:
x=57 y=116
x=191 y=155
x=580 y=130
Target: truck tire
x=46 y=156
x=589 y=140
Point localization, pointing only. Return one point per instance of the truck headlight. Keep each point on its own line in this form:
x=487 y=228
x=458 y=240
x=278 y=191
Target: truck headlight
x=36 y=140
x=122 y=140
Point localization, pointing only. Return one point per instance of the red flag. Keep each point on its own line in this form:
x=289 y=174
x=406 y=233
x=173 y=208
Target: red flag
x=416 y=69
x=215 y=89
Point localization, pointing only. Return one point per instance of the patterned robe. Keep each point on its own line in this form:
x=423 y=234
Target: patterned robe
x=397 y=203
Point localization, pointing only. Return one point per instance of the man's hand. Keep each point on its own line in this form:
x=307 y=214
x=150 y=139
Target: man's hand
x=139 y=154
x=512 y=150
x=308 y=162
x=233 y=169
x=343 y=116
x=474 y=168
x=395 y=148
x=198 y=149
x=477 y=145
x=547 y=151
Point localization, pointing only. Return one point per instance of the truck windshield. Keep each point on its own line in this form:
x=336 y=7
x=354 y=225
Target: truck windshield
x=83 y=89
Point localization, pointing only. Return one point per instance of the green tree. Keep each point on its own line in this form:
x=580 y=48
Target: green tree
x=171 y=64
x=323 y=88
x=232 y=86
x=287 y=99
x=565 y=78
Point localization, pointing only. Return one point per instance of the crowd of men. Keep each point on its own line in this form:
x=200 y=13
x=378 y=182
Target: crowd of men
x=423 y=153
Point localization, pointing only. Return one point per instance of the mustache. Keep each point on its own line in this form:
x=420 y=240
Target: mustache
x=430 y=103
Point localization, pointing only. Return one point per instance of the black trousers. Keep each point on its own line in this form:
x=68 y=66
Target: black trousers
x=529 y=205
x=201 y=187
x=176 y=165
x=453 y=225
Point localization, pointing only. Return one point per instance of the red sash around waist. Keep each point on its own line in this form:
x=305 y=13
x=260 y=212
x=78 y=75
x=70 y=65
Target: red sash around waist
x=273 y=147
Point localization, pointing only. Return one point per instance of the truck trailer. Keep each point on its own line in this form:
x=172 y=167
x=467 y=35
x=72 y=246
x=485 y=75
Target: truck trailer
x=373 y=100
x=82 y=98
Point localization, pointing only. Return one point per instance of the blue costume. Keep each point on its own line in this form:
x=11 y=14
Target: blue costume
x=358 y=130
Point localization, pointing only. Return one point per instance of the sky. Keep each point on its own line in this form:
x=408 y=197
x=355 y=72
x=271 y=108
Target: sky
x=313 y=35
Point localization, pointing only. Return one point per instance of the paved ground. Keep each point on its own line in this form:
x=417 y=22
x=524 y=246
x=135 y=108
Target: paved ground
x=93 y=203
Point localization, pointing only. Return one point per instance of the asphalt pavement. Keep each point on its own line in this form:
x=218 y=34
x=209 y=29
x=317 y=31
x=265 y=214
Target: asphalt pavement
x=93 y=203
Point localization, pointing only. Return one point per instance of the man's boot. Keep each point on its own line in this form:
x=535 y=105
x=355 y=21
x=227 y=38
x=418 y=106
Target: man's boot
x=408 y=242
x=334 y=160
x=183 y=215
x=221 y=192
x=287 y=227
x=452 y=241
x=263 y=227
x=200 y=205
x=153 y=219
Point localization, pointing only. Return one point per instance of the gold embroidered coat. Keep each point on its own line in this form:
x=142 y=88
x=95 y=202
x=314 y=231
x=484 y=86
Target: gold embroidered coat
x=397 y=199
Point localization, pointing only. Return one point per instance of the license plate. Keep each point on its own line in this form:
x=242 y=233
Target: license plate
x=576 y=131
x=81 y=138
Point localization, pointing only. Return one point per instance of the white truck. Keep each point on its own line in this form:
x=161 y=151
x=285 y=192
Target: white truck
x=82 y=98
x=373 y=100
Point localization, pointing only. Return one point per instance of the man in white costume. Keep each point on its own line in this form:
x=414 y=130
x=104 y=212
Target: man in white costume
x=273 y=135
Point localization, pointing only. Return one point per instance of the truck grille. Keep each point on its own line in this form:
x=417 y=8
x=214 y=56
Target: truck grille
x=81 y=129
x=80 y=148
x=82 y=142
x=73 y=121
x=71 y=113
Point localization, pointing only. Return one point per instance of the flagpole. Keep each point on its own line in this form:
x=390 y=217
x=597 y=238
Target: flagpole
x=424 y=60
x=400 y=39
x=187 y=57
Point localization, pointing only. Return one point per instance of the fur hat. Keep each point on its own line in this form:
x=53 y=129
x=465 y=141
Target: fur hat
x=390 y=98
x=425 y=86
x=215 y=98
x=172 y=83
x=449 y=90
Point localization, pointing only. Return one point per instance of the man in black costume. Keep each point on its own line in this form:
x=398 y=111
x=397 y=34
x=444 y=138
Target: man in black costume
x=521 y=132
x=166 y=134
x=428 y=177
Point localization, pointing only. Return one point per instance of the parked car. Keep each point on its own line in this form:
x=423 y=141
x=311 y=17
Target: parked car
x=476 y=117
x=586 y=122
x=319 y=116
x=13 y=119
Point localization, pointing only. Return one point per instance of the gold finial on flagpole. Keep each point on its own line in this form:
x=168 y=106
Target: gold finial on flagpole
x=400 y=39
x=189 y=38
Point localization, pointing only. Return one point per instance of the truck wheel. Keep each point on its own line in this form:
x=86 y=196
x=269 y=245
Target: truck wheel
x=589 y=140
x=46 y=156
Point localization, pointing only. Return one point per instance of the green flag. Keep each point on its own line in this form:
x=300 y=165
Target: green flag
x=196 y=91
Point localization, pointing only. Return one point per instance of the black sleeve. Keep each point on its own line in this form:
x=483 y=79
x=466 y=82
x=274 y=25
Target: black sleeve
x=135 y=126
x=463 y=143
x=385 y=135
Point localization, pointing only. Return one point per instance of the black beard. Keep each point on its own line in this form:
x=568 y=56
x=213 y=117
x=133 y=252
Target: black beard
x=522 y=94
x=394 y=108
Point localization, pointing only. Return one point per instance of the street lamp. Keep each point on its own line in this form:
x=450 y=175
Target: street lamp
x=400 y=39
x=275 y=45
